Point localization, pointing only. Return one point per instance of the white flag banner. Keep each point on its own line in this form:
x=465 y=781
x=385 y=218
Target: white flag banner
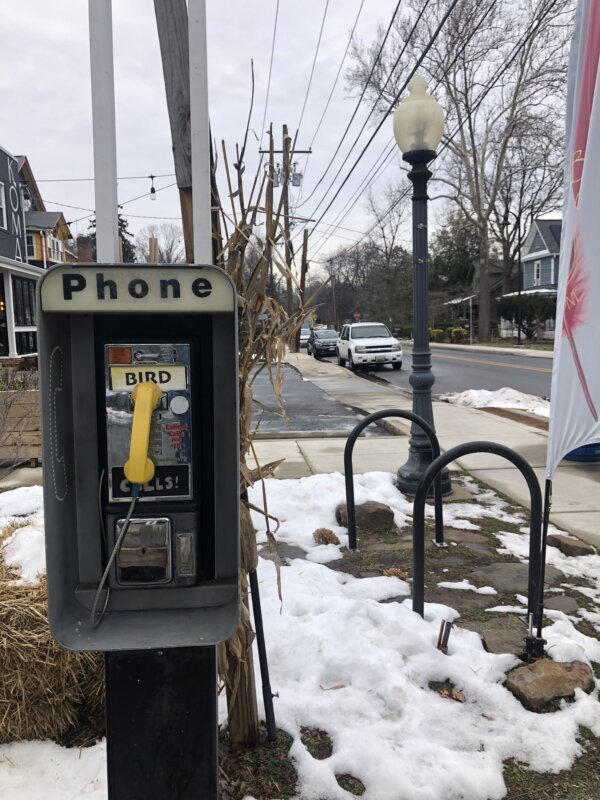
x=575 y=393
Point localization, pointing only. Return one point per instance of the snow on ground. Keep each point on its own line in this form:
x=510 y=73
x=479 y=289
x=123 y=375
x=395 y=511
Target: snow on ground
x=305 y=504
x=359 y=669
x=20 y=502
x=501 y=398
x=465 y=585
x=564 y=641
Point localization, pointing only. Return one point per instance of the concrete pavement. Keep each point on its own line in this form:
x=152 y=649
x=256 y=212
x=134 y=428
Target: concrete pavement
x=481 y=348
x=576 y=488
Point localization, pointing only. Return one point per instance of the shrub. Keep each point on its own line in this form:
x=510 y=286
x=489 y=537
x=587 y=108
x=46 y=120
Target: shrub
x=458 y=334
x=436 y=334
x=402 y=332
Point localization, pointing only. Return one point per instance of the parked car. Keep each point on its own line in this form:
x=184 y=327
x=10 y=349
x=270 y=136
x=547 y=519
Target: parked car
x=368 y=344
x=321 y=343
x=304 y=335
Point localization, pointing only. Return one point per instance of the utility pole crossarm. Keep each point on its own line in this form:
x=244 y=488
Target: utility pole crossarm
x=294 y=152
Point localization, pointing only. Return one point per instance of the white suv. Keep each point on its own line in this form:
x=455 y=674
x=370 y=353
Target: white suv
x=368 y=344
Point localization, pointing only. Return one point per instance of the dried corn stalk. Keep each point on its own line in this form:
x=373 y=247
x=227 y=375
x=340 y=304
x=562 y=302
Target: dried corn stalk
x=264 y=330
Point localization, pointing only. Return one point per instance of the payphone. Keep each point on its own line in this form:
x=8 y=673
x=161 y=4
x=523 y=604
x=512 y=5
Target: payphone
x=140 y=431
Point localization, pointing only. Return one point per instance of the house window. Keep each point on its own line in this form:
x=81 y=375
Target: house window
x=24 y=302
x=54 y=249
x=537 y=273
x=30 y=246
x=3 y=320
x=26 y=342
x=2 y=207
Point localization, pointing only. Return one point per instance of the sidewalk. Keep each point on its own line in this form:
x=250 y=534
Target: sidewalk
x=481 y=348
x=576 y=495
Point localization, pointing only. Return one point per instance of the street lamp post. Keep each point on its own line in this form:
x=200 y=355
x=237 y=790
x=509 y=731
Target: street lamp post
x=418 y=128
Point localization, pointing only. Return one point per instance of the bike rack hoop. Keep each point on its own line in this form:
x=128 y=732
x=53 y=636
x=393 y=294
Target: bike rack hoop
x=349 y=474
x=535 y=495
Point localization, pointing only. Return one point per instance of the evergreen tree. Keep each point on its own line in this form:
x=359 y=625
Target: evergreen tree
x=127 y=246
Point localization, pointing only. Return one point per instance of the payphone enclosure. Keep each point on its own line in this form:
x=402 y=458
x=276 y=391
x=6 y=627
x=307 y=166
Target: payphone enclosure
x=105 y=331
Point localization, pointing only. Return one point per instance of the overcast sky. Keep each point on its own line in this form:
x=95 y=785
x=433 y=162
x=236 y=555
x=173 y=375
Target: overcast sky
x=46 y=104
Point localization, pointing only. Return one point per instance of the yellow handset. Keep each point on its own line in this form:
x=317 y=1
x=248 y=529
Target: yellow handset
x=139 y=469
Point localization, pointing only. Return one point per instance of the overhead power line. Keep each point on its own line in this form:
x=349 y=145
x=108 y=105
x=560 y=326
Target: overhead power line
x=126 y=202
x=527 y=36
x=122 y=178
x=357 y=107
x=339 y=72
x=390 y=150
x=392 y=104
x=312 y=72
x=374 y=106
x=262 y=127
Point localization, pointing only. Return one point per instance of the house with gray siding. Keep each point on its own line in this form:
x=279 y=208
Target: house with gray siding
x=18 y=278
x=540 y=256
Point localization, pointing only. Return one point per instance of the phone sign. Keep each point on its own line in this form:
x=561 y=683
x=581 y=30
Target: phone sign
x=167 y=378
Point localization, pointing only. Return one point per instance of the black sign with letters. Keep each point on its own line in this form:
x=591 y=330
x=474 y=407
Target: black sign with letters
x=168 y=481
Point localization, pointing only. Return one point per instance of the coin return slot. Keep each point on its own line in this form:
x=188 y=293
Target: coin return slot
x=145 y=554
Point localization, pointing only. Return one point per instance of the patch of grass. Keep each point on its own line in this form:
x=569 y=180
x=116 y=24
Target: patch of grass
x=351 y=784
x=581 y=782
x=441 y=686
x=317 y=742
x=11 y=526
x=478 y=614
x=265 y=771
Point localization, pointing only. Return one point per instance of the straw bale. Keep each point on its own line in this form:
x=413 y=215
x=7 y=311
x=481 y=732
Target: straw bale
x=46 y=692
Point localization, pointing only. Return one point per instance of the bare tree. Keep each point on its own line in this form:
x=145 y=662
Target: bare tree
x=499 y=67
x=392 y=275
x=170 y=243
x=530 y=187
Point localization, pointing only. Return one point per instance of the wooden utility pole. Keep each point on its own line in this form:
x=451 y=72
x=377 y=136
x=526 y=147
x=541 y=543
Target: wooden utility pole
x=188 y=115
x=172 y=24
x=303 y=271
x=286 y=219
x=287 y=162
x=153 y=250
x=335 y=320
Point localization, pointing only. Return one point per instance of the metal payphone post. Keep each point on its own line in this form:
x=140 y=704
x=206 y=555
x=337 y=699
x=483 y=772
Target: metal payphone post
x=139 y=377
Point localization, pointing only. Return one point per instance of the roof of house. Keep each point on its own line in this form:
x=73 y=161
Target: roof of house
x=42 y=220
x=8 y=153
x=26 y=174
x=535 y=290
x=550 y=230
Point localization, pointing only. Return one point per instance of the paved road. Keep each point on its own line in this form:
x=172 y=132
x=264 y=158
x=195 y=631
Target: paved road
x=308 y=409
x=457 y=370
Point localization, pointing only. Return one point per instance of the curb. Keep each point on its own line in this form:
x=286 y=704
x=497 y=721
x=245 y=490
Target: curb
x=480 y=348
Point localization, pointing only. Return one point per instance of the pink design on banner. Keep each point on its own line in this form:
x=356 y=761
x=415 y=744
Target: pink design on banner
x=575 y=310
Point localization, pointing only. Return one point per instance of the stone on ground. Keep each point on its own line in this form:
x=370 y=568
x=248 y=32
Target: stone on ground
x=511 y=577
x=562 y=602
x=286 y=553
x=539 y=684
x=504 y=634
x=570 y=546
x=369 y=516
x=459 y=599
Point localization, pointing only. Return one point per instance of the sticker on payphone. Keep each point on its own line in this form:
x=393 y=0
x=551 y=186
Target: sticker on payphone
x=170 y=448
